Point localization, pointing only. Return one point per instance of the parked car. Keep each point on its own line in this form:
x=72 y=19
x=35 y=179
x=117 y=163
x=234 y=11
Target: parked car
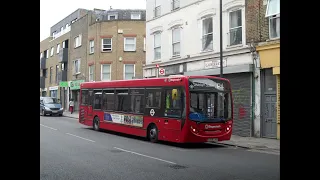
x=51 y=106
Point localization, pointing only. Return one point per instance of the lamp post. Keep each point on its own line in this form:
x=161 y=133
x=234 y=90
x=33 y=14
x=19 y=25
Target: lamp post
x=221 y=38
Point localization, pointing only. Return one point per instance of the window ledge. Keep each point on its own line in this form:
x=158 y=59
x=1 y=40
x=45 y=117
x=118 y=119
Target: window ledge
x=273 y=39
x=129 y=51
x=78 y=47
x=175 y=57
x=106 y=51
x=206 y=51
x=91 y=53
x=234 y=46
x=76 y=73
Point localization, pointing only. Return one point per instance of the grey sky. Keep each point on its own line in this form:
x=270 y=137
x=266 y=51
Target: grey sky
x=51 y=12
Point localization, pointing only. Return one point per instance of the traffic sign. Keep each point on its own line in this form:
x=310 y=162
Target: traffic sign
x=157 y=66
x=162 y=71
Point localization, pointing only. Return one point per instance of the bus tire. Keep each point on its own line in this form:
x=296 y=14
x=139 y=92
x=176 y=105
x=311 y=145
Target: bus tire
x=153 y=133
x=96 y=124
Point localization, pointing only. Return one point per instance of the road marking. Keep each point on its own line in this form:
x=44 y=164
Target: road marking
x=144 y=155
x=264 y=151
x=48 y=127
x=80 y=137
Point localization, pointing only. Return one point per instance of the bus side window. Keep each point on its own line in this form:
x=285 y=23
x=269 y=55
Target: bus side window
x=97 y=99
x=90 y=98
x=153 y=99
x=137 y=101
x=108 y=100
x=84 y=97
x=123 y=100
x=173 y=103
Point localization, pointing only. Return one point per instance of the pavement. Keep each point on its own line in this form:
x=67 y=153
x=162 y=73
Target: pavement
x=69 y=150
x=261 y=144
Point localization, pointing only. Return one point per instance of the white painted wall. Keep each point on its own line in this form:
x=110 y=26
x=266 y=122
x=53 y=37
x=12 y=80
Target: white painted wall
x=191 y=27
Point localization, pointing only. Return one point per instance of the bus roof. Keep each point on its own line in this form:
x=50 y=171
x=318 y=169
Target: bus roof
x=147 y=82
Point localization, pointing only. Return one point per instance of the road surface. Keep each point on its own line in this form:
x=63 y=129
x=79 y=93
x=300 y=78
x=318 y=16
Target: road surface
x=69 y=150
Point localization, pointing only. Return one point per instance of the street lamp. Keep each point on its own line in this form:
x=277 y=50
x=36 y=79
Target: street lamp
x=221 y=53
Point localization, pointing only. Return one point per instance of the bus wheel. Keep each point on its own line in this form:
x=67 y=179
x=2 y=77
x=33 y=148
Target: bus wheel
x=153 y=133
x=96 y=124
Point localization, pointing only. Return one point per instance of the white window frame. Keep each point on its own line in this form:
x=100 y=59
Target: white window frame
x=58 y=48
x=91 y=46
x=41 y=55
x=63 y=44
x=271 y=17
x=52 y=51
x=175 y=4
x=230 y=29
x=102 y=72
x=106 y=50
x=124 y=44
x=124 y=70
x=157 y=9
x=91 y=73
x=173 y=43
x=77 y=41
x=202 y=35
x=74 y=66
x=136 y=13
x=144 y=44
x=154 y=47
x=115 y=17
x=47 y=55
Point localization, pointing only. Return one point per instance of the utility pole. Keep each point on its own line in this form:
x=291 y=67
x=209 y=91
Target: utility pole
x=221 y=38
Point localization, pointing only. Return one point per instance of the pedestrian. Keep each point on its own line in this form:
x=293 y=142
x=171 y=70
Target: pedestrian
x=71 y=105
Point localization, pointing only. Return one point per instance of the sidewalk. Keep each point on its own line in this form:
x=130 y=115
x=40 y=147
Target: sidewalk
x=245 y=142
x=73 y=115
x=254 y=143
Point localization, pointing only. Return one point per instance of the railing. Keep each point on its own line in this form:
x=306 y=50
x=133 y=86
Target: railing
x=64 y=31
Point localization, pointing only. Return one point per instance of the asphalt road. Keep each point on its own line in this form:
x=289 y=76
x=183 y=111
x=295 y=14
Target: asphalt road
x=69 y=150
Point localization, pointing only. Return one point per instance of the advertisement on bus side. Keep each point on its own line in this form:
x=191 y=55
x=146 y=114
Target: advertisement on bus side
x=132 y=120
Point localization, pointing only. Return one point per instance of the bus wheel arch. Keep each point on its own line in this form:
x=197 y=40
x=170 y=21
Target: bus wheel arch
x=96 y=123
x=152 y=132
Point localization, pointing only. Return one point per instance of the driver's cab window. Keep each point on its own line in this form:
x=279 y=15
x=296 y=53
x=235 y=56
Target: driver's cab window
x=173 y=102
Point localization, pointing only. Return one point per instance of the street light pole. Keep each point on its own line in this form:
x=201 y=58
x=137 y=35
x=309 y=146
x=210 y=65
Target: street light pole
x=221 y=38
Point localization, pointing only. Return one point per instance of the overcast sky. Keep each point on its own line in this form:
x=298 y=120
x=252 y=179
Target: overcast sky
x=51 y=12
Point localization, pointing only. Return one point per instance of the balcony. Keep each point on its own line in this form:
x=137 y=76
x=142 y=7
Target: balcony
x=42 y=82
x=63 y=55
x=43 y=63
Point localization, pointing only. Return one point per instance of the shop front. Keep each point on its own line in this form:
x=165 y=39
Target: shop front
x=43 y=92
x=164 y=70
x=54 y=91
x=269 y=54
x=74 y=87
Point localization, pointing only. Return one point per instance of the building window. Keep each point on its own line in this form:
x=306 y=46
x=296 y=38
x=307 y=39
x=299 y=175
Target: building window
x=157 y=11
x=91 y=72
x=51 y=52
x=273 y=13
x=50 y=75
x=77 y=41
x=176 y=41
x=91 y=46
x=112 y=16
x=175 y=4
x=129 y=71
x=135 y=15
x=47 y=53
x=235 y=30
x=107 y=45
x=58 y=48
x=105 y=72
x=63 y=44
x=41 y=55
x=76 y=66
x=207 y=34
x=57 y=74
x=130 y=44
x=144 y=44
x=73 y=21
x=157 y=46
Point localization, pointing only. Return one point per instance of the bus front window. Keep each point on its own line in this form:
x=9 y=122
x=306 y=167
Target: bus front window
x=210 y=106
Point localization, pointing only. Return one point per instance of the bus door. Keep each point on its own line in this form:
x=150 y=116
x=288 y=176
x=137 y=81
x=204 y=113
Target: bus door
x=90 y=103
x=173 y=107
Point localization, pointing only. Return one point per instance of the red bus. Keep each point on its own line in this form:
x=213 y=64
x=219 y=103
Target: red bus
x=180 y=109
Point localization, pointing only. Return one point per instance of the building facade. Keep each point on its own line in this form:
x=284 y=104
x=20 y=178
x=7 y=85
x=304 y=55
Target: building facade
x=183 y=38
x=264 y=29
x=97 y=45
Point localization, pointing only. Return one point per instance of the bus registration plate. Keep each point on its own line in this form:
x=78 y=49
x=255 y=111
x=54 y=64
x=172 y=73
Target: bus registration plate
x=212 y=140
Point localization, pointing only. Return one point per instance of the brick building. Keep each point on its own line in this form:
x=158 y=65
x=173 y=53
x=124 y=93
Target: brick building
x=100 y=45
x=263 y=28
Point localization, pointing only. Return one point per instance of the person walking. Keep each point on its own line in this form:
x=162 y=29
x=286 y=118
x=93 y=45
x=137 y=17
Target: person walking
x=71 y=105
